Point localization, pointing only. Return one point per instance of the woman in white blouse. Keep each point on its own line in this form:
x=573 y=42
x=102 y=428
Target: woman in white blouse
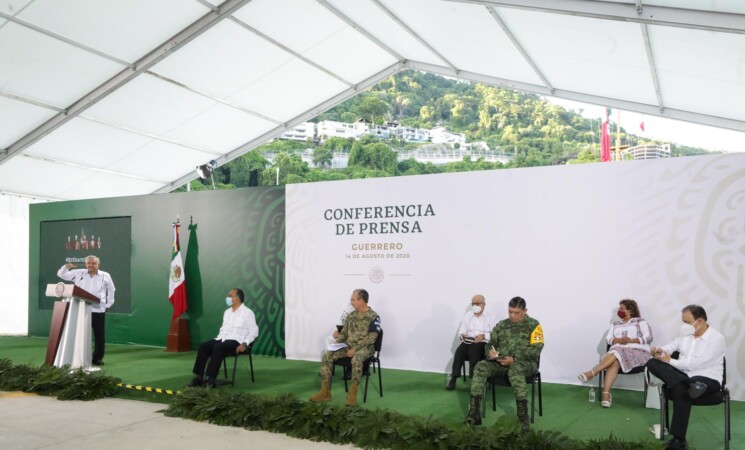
x=629 y=340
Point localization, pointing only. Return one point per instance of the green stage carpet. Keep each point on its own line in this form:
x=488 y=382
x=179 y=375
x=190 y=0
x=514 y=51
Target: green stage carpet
x=565 y=408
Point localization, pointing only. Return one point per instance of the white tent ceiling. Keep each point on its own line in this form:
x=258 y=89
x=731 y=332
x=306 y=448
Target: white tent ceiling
x=104 y=98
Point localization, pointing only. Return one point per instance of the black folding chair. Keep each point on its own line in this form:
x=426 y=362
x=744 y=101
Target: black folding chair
x=471 y=369
x=373 y=361
x=249 y=353
x=708 y=399
x=503 y=380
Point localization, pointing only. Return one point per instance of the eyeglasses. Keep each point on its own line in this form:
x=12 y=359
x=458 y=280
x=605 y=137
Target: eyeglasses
x=477 y=303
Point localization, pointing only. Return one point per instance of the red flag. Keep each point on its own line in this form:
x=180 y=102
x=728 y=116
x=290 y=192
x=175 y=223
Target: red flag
x=176 y=281
x=641 y=125
x=605 y=143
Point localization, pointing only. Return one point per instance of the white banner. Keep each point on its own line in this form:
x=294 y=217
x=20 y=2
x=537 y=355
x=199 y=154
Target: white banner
x=571 y=240
x=14 y=220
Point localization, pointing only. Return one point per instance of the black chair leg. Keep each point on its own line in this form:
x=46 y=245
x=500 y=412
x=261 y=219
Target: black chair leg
x=532 y=402
x=251 y=365
x=540 y=397
x=235 y=366
x=380 y=379
x=367 y=381
x=726 y=423
x=483 y=399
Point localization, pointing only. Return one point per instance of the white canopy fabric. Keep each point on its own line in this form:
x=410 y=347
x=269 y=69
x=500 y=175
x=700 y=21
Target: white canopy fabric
x=103 y=98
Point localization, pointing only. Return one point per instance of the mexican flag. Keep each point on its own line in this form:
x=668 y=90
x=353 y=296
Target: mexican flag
x=176 y=281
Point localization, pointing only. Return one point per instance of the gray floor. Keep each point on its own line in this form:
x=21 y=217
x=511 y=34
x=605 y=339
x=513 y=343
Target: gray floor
x=29 y=421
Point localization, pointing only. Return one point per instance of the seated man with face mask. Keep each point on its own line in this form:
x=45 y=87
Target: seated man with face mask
x=698 y=369
x=474 y=329
x=238 y=330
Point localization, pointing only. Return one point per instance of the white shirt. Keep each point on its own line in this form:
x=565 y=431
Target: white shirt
x=473 y=325
x=635 y=328
x=99 y=285
x=239 y=325
x=702 y=356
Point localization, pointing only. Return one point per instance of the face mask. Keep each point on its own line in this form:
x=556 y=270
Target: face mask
x=687 y=329
x=476 y=309
x=229 y=301
x=621 y=314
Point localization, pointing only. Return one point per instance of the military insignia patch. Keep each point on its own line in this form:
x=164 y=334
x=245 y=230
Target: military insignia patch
x=536 y=337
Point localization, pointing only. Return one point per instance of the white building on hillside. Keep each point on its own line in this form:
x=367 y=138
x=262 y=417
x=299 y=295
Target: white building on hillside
x=650 y=151
x=380 y=131
x=302 y=132
x=442 y=136
x=410 y=134
x=328 y=128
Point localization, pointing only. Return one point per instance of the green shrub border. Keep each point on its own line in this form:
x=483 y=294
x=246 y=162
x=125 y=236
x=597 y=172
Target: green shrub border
x=371 y=428
x=62 y=382
x=361 y=427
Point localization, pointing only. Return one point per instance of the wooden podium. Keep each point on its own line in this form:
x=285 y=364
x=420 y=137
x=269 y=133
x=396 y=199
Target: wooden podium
x=70 y=332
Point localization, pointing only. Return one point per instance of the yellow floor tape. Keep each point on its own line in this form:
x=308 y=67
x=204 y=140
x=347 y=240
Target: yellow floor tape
x=148 y=389
x=15 y=394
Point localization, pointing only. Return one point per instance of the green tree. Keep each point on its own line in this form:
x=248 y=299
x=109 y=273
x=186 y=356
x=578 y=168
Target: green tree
x=373 y=155
x=588 y=155
x=240 y=169
x=292 y=169
x=327 y=175
x=373 y=109
x=339 y=144
x=323 y=156
x=426 y=114
x=348 y=117
x=400 y=105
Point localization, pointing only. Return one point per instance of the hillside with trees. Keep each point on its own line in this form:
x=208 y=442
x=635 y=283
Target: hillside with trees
x=535 y=131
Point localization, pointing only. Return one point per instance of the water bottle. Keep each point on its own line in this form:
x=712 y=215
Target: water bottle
x=592 y=395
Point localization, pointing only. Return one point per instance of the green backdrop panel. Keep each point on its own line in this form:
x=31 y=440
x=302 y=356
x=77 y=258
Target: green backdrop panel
x=231 y=238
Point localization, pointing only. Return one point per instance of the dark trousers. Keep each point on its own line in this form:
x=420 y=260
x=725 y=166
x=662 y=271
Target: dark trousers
x=98 y=323
x=472 y=353
x=213 y=351
x=678 y=383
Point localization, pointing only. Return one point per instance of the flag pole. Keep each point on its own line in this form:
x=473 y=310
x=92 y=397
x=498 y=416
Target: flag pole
x=178 y=339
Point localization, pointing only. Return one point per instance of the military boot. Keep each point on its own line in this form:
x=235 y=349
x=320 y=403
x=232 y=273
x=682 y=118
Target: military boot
x=324 y=395
x=522 y=414
x=352 y=394
x=474 y=411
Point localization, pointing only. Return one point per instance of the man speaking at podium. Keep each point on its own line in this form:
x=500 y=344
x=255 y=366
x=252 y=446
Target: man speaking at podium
x=98 y=283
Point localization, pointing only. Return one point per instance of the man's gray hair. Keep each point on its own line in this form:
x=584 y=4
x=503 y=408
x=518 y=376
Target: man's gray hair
x=93 y=257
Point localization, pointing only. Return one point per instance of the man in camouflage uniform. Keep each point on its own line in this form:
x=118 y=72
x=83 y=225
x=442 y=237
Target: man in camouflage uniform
x=514 y=349
x=361 y=329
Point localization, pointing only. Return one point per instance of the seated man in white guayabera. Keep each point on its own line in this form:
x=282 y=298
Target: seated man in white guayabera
x=699 y=368
x=238 y=330
x=473 y=331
